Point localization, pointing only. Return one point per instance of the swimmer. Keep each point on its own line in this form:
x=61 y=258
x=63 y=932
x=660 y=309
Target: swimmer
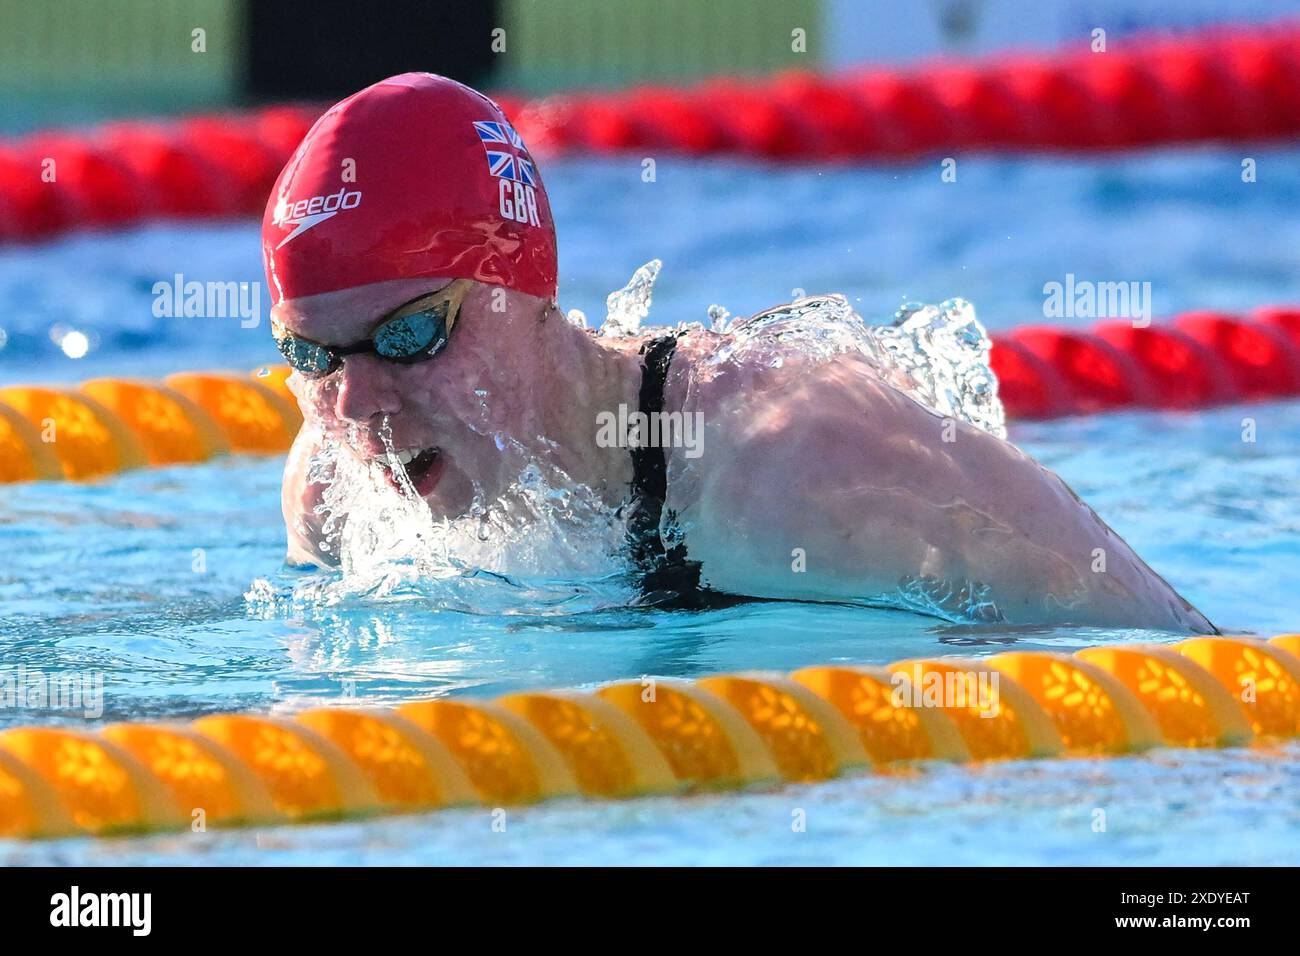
x=411 y=255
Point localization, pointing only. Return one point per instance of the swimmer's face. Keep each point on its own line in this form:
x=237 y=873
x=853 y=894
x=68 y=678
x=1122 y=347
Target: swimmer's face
x=436 y=410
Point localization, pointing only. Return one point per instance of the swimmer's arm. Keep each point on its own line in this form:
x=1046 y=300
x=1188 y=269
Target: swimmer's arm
x=832 y=471
x=298 y=501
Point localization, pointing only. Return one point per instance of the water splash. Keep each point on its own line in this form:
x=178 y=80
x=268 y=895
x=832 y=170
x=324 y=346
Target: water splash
x=816 y=328
x=937 y=355
x=547 y=545
x=942 y=352
x=719 y=319
x=626 y=307
x=960 y=601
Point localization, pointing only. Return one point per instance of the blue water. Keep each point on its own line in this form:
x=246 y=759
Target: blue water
x=101 y=577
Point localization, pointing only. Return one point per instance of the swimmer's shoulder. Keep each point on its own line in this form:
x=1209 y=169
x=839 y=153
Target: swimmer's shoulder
x=732 y=361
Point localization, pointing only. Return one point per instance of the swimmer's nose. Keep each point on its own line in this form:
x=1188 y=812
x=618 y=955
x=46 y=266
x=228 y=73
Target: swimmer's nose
x=366 y=389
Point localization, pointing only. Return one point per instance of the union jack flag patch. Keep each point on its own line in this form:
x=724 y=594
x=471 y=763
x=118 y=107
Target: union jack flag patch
x=507 y=156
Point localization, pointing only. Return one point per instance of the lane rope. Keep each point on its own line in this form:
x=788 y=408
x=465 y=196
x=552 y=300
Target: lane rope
x=647 y=736
x=108 y=425
x=1222 y=84
x=1197 y=360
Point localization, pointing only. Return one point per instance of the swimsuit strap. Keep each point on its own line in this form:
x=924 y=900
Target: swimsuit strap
x=649 y=465
x=668 y=578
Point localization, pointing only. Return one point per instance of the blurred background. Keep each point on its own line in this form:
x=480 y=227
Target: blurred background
x=74 y=61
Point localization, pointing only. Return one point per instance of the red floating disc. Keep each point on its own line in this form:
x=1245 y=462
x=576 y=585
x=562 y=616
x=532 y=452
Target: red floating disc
x=1265 y=72
x=905 y=111
x=1282 y=319
x=666 y=118
x=1259 y=358
x=180 y=183
x=1200 y=98
x=757 y=123
x=1097 y=375
x=1129 y=105
x=984 y=111
x=1058 y=108
x=845 y=127
x=30 y=208
x=98 y=188
x=606 y=124
x=1028 y=386
x=1181 y=372
x=232 y=145
x=282 y=128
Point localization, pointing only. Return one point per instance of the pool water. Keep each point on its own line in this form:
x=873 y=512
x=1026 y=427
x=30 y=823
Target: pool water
x=143 y=577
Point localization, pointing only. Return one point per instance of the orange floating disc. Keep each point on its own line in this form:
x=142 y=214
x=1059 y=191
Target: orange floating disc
x=171 y=428
x=29 y=807
x=995 y=716
x=888 y=729
x=1288 y=642
x=506 y=759
x=1263 y=678
x=806 y=736
x=409 y=769
x=1091 y=710
x=605 y=749
x=103 y=788
x=200 y=773
x=23 y=456
x=704 y=739
x=88 y=439
x=308 y=776
x=252 y=416
x=1191 y=708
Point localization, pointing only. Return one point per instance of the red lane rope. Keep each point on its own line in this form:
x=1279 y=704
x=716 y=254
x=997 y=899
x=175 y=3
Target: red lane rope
x=125 y=173
x=1197 y=360
x=1229 y=85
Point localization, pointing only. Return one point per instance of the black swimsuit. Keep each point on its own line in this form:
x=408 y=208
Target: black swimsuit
x=667 y=577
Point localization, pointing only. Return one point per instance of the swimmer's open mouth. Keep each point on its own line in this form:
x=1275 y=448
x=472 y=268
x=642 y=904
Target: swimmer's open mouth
x=423 y=468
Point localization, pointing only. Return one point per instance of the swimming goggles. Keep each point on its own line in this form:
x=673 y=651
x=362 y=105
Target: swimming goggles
x=413 y=333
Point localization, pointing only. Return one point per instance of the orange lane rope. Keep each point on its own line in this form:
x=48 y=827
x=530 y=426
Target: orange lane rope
x=647 y=736
x=108 y=425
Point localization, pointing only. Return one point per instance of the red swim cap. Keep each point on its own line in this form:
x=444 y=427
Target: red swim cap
x=415 y=176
